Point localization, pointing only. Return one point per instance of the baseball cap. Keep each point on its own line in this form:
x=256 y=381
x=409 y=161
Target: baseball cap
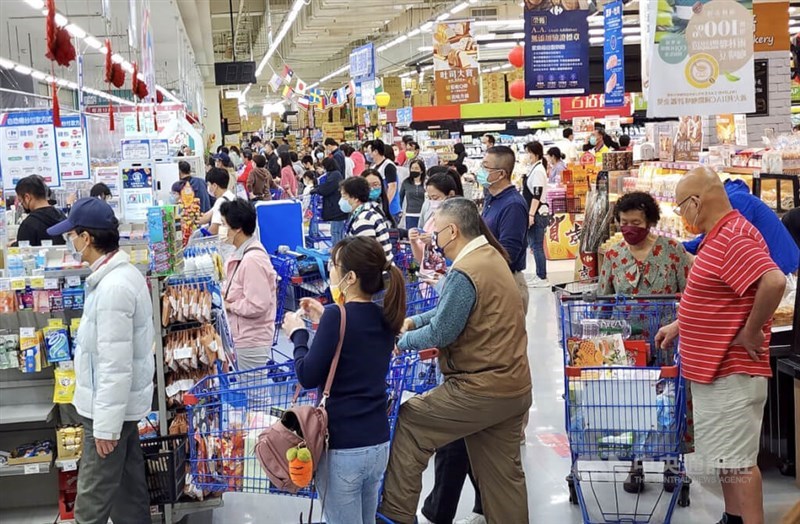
x=226 y=160
x=92 y=213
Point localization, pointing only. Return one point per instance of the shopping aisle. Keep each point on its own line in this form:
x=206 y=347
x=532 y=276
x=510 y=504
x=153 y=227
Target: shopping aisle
x=545 y=455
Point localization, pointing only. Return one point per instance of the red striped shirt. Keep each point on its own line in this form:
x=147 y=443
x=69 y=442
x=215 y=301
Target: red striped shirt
x=718 y=298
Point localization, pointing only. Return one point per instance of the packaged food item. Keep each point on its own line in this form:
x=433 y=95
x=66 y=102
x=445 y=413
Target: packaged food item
x=69 y=441
x=148 y=426
x=8 y=301
x=56 y=343
x=73 y=298
x=30 y=351
x=9 y=352
x=64 y=388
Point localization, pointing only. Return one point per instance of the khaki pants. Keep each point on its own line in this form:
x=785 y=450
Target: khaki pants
x=491 y=429
x=522 y=287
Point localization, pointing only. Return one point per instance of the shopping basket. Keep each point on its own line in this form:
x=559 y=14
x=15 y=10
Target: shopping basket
x=624 y=403
x=228 y=412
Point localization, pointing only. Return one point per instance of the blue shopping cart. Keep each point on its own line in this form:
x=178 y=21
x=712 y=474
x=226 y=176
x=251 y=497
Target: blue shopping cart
x=228 y=412
x=315 y=237
x=625 y=403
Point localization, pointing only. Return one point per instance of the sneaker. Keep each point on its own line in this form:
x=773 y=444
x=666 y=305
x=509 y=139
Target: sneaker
x=422 y=519
x=540 y=283
x=474 y=518
x=532 y=281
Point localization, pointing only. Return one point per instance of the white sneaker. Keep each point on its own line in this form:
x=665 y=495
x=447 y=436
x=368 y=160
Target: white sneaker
x=474 y=518
x=541 y=283
x=532 y=281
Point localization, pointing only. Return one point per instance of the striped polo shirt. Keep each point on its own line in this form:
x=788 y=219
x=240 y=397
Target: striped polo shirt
x=368 y=221
x=717 y=301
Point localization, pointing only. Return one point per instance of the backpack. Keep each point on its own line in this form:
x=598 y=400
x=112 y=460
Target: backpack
x=299 y=426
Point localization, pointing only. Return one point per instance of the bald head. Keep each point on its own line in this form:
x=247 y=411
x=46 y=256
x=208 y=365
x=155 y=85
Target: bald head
x=702 y=199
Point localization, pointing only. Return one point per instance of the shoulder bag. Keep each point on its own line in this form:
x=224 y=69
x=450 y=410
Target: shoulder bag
x=299 y=426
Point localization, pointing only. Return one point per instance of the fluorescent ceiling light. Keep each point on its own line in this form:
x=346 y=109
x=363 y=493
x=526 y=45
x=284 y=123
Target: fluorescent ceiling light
x=442 y=17
x=76 y=31
x=401 y=39
x=38 y=75
x=287 y=24
x=487 y=36
x=427 y=26
x=473 y=1
x=425 y=49
x=414 y=33
x=168 y=94
x=460 y=7
x=6 y=64
x=500 y=45
x=630 y=30
x=338 y=72
x=117 y=58
x=23 y=70
x=36 y=4
x=61 y=20
x=127 y=66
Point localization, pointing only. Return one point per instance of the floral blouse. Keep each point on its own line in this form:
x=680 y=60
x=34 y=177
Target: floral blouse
x=664 y=271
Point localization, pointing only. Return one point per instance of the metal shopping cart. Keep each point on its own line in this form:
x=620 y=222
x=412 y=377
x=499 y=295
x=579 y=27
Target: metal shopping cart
x=228 y=412
x=625 y=404
x=317 y=237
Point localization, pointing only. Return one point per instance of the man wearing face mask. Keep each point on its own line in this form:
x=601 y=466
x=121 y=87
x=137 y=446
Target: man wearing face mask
x=32 y=196
x=724 y=323
x=250 y=289
x=217 y=180
x=505 y=211
x=479 y=328
x=114 y=368
x=332 y=148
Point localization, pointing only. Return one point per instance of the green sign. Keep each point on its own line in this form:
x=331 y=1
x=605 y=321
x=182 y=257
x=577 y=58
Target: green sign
x=795 y=92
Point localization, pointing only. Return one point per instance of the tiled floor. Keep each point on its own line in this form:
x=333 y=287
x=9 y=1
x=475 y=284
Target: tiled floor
x=545 y=455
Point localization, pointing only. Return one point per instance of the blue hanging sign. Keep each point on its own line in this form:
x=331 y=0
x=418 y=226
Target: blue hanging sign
x=362 y=62
x=556 y=52
x=613 y=56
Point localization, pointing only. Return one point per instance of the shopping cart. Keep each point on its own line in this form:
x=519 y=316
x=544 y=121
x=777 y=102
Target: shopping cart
x=316 y=238
x=420 y=297
x=228 y=412
x=625 y=404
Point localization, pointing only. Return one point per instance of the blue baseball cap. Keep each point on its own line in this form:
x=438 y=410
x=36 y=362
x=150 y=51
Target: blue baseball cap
x=91 y=213
x=224 y=157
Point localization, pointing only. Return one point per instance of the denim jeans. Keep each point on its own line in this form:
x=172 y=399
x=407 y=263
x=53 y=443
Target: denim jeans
x=337 y=231
x=536 y=243
x=349 y=482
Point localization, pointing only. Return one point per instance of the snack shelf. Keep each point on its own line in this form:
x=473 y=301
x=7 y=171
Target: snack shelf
x=22 y=413
x=35 y=468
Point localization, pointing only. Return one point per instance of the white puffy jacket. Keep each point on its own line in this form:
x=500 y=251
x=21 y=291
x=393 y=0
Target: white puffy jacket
x=114 y=363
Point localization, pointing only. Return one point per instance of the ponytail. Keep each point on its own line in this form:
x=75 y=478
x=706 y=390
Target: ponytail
x=394 y=301
x=486 y=232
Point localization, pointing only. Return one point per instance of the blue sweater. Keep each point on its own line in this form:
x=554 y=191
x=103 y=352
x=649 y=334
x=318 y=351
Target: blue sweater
x=358 y=403
x=506 y=215
x=782 y=248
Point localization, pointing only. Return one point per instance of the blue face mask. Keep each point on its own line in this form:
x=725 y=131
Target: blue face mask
x=345 y=206
x=482 y=176
x=368 y=157
x=593 y=140
x=320 y=155
x=375 y=194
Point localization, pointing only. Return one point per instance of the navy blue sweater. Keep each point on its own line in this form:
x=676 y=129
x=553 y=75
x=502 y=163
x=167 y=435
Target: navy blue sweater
x=506 y=215
x=357 y=405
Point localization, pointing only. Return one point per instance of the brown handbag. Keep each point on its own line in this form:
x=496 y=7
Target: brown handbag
x=299 y=426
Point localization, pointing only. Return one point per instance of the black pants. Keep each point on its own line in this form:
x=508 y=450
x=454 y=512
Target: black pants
x=451 y=468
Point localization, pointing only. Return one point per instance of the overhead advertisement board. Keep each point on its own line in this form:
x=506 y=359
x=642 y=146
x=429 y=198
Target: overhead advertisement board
x=455 y=64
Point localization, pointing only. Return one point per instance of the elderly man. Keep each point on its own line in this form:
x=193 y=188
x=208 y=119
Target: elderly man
x=479 y=327
x=724 y=322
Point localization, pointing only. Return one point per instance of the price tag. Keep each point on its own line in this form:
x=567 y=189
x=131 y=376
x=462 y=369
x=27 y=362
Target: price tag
x=182 y=353
x=18 y=284
x=13 y=251
x=37 y=282
x=27 y=332
x=69 y=465
x=5 y=284
x=51 y=283
x=31 y=469
x=73 y=281
x=67 y=364
x=24 y=243
x=47 y=243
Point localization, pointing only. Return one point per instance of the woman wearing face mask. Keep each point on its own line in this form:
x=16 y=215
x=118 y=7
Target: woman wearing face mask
x=250 y=289
x=412 y=153
x=412 y=192
x=555 y=159
x=366 y=218
x=534 y=191
x=643 y=263
x=438 y=188
x=350 y=472
x=377 y=193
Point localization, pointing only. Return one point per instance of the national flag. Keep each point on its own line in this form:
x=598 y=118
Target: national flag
x=334 y=100
x=287 y=74
x=300 y=87
x=275 y=82
x=303 y=102
x=287 y=91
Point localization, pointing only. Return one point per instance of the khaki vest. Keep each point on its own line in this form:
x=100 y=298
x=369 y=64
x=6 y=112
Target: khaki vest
x=490 y=357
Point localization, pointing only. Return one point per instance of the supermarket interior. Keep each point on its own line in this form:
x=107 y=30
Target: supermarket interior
x=186 y=188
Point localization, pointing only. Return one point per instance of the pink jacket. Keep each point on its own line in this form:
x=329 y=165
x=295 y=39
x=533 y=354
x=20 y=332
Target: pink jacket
x=250 y=296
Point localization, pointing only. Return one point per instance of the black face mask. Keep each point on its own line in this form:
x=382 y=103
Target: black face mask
x=415 y=174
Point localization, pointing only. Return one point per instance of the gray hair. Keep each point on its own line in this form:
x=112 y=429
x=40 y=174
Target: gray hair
x=463 y=213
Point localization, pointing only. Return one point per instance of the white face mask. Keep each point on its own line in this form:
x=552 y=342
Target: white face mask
x=77 y=256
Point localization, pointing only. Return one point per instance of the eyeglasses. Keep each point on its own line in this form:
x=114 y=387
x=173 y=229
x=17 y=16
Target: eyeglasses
x=678 y=210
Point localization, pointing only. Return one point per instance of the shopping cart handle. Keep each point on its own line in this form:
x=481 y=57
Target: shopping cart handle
x=189 y=399
x=428 y=354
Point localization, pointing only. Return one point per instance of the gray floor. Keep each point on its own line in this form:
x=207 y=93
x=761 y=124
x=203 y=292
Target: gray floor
x=545 y=458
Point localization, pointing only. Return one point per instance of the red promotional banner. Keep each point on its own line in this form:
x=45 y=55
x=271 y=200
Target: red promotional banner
x=593 y=106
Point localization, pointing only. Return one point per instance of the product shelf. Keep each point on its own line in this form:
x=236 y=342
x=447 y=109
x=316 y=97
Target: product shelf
x=36 y=468
x=23 y=413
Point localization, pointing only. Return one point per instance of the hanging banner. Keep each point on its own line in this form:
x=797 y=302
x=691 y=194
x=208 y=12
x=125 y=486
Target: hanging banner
x=365 y=93
x=702 y=61
x=688 y=139
x=770 y=19
x=28 y=147
x=362 y=62
x=455 y=64
x=613 y=55
x=593 y=106
x=648 y=12
x=556 y=49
